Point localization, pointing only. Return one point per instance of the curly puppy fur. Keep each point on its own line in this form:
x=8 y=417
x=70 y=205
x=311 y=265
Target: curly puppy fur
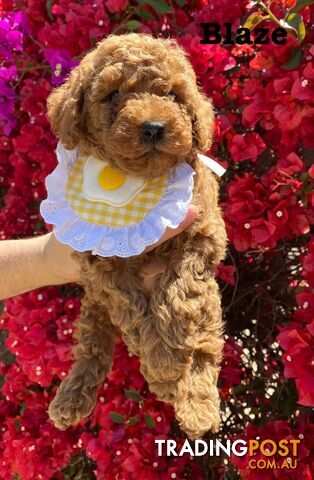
x=177 y=328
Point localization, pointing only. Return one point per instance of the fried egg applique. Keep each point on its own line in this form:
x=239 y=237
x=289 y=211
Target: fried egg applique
x=96 y=208
x=101 y=195
x=102 y=183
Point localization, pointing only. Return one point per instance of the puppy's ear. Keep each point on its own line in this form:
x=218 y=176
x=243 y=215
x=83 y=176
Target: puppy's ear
x=203 y=122
x=65 y=106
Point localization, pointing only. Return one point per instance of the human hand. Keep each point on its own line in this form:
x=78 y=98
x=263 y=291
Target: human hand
x=65 y=269
x=37 y=262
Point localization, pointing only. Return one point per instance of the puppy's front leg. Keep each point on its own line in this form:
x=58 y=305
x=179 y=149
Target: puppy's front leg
x=93 y=354
x=181 y=342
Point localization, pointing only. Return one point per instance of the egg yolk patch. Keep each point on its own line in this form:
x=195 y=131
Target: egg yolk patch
x=103 y=183
x=101 y=213
x=110 y=179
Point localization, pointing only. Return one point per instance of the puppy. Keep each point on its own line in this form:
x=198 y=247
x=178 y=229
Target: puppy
x=133 y=102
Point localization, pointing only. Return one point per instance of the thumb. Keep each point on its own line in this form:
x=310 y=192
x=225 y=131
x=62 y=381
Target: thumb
x=171 y=232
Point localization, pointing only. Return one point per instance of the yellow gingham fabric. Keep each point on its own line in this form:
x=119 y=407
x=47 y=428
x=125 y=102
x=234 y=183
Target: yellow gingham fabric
x=103 y=214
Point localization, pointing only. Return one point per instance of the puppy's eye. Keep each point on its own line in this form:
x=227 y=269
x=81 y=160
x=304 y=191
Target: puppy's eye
x=172 y=95
x=112 y=96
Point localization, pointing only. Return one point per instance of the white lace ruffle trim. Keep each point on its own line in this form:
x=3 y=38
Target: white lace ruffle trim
x=105 y=241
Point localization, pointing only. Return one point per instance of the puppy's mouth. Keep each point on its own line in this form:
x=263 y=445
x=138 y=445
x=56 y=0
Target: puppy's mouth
x=151 y=163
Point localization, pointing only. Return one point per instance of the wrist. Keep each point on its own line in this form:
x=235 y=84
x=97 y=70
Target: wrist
x=58 y=259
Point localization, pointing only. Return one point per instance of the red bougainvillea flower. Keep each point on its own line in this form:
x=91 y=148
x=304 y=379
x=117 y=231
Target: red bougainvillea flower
x=115 y=6
x=287 y=4
x=226 y=273
x=7 y=103
x=298 y=344
x=308 y=263
x=231 y=372
x=246 y=147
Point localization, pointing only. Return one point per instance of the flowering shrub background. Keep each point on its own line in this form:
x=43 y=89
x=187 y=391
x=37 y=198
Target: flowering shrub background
x=265 y=114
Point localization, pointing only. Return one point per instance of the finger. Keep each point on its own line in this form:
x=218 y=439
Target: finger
x=171 y=232
x=190 y=217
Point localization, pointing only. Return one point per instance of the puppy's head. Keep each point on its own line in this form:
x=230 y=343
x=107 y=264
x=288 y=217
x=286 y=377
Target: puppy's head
x=134 y=102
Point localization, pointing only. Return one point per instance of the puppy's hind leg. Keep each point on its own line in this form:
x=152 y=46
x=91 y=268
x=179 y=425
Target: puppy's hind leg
x=93 y=355
x=181 y=342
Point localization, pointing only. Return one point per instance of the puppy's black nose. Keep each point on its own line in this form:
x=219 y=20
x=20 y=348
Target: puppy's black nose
x=152 y=131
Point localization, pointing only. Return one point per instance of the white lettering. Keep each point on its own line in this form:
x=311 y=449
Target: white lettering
x=198 y=443
x=171 y=448
x=159 y=446
x=225 y=449
x=242 y=450
x=186 y=449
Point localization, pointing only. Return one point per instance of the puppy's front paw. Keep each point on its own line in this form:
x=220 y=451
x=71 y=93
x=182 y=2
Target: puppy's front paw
x=70 y=406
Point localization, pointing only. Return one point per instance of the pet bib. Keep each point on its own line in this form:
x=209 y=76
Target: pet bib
x=94 y=207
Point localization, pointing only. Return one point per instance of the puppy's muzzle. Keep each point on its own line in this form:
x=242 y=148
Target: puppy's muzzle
x=152 y=131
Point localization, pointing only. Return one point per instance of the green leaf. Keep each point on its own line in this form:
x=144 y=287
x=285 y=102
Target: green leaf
x=49 y=5
x=304 y=177
x=161 y=6
x=22 y=408
x=133 y=25
x=304 y=198
x=239 y=389
x=1 y=307
x=150 y=422
x=133 y=421
x=116 y=417
x=254 y=19
x=294 y=60
x=181 y=3
x=300 y=5
x=294 y=22
x=306 y=191
x=142 y=13
x=6 y=356
x=133 y=395
x=288 y=406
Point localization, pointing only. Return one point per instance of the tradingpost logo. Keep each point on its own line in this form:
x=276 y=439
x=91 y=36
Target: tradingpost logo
x=286 y=450
x=262 y=454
